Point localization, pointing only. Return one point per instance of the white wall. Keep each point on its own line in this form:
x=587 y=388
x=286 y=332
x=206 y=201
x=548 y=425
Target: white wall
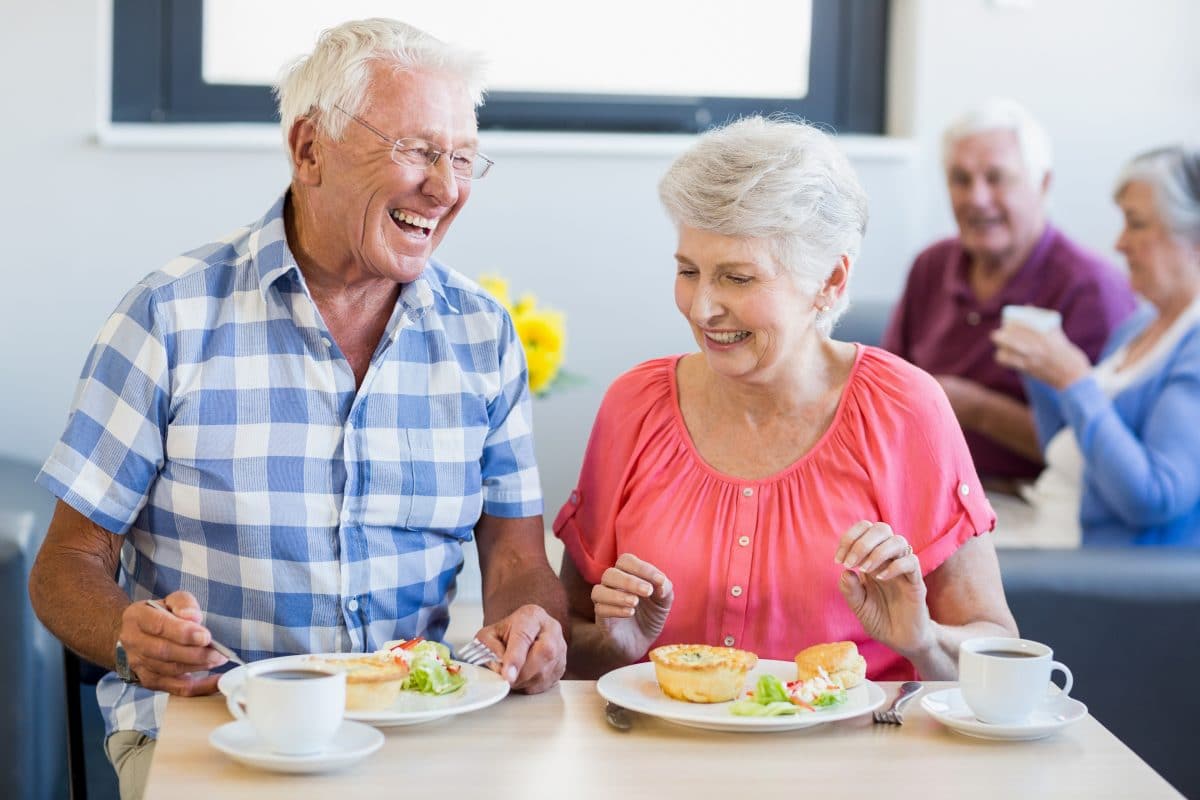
x=81 y=222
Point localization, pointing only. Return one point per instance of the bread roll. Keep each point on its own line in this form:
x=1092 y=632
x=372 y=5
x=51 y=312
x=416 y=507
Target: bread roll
x=840 y=660
x=699 y=673
x=373 y=681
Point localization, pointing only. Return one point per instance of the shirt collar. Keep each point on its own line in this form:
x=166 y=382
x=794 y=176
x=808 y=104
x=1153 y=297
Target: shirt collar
x=1027 y=274
x=269 y=251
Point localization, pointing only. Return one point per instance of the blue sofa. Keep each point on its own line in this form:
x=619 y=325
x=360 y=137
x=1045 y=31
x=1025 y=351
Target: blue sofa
x=33 y=727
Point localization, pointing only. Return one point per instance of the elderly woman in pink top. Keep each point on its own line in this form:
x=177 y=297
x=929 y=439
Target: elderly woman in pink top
x=778 y=488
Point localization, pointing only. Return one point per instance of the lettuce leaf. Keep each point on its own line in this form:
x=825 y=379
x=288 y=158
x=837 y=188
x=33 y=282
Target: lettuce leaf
x=752 y=708
x=428 y=675
x=770 y=699
x=826 y=699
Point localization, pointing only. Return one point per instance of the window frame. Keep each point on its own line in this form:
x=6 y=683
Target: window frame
x=156 y=79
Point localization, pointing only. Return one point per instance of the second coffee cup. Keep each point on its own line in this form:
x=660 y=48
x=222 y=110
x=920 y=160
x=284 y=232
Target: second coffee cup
x=294 y=710
x=1003 y=679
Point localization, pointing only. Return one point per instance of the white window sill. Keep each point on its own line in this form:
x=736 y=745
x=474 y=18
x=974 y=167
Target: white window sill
x=257 y=136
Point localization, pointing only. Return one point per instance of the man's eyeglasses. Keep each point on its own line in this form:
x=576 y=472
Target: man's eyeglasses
x=466 y=164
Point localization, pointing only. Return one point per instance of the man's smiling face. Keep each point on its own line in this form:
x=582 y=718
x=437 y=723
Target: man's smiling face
x=388 y=218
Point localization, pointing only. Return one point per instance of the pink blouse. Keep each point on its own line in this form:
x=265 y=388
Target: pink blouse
x=752 y=560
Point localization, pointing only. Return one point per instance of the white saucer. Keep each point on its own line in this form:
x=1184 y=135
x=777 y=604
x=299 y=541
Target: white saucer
x=352 y=742
x=948 y=707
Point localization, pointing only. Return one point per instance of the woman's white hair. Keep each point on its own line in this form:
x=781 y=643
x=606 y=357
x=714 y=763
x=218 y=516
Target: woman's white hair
x=1174 y=175
x=338 y=70
x=1000 y=114
x=780 y=180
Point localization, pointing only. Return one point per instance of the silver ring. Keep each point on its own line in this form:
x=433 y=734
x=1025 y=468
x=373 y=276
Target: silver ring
x=907 y=550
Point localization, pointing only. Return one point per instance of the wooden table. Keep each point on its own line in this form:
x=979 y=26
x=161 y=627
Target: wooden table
x=557 y=745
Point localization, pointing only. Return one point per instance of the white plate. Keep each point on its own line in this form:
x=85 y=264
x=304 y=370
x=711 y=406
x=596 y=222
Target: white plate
x=352 y=742
x=483 y=688
x=635 y=688
x=948 y=707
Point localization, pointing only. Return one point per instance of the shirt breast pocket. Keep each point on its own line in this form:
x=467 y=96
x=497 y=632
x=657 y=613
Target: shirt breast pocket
x=445 y=467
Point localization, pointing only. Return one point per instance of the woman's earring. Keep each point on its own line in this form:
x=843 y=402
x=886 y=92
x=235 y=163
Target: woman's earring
x=826 y=308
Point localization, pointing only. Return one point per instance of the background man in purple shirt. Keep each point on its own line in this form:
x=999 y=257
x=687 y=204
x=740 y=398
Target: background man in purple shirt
x=997 y=160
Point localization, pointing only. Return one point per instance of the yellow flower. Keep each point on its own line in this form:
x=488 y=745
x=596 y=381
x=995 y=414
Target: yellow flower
x=543 y=335
x=526 y=304
x=497 y=287
x=542 y=331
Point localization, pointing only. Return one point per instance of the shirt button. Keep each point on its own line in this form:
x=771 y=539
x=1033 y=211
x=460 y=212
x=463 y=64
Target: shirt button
x=729 y=640
x=747 y=492
x=736 y=591
x=574 y=498
x=963 y=489
x=973 y=318
x=743 y=540
x=352 y=605
x=325 y=341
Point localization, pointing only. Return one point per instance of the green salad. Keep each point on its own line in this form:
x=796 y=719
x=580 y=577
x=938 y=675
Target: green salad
x=430 y=670
x=771 y=698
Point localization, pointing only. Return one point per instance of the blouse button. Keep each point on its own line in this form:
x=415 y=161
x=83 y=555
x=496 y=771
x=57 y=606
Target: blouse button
x=963 y=489
x=729 y=640
x=325 y=341
x=574 y=498
x=747 y=492
x=352 y=605
x=736 y=591
x=973 y=318
x=743 y=540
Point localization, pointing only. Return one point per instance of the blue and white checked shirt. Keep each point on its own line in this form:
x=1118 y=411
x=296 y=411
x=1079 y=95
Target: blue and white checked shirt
x=218 y=426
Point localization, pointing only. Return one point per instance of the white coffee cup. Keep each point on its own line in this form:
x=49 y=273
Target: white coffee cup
x=294 y=710
x=1040 y=319
x=1003 y=680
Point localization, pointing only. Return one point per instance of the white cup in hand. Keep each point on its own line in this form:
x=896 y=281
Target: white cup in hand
x=1042 y=320
x=1003 y=680
x=294 y=710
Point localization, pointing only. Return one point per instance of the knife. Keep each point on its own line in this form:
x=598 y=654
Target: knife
x=213 y=643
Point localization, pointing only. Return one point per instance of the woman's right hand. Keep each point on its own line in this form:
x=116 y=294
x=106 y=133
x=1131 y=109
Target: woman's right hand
x=632 y=602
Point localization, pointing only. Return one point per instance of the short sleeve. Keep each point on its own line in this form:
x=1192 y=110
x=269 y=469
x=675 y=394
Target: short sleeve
x=110 y=454
x=926 y=484
x=586 y=524
x=511 y=486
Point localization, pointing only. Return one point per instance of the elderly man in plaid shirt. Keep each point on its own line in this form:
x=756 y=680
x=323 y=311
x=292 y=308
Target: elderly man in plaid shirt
x=288 y=433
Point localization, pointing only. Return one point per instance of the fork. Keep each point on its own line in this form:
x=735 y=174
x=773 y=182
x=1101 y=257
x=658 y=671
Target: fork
x=213 y=643
x=892 y=716
x=477 y=653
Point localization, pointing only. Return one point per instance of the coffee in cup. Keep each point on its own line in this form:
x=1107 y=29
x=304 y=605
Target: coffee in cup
x=294 y=710
x=1003 y=679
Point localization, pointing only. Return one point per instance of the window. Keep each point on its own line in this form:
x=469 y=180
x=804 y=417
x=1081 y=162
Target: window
x=623 y=65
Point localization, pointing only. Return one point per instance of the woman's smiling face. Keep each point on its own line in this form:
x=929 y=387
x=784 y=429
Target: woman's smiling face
x=747 y=311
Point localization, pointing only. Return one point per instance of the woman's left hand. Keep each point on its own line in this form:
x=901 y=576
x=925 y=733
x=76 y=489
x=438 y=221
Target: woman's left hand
x=1048 y=356
x=883 y=586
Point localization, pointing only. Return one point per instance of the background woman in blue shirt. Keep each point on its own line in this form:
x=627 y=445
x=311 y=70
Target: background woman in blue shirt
x=1126 y=433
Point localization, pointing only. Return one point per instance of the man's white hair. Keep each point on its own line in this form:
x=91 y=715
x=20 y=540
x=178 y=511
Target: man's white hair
x=779 y=180
x=1002 y=114
x=338 y=70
